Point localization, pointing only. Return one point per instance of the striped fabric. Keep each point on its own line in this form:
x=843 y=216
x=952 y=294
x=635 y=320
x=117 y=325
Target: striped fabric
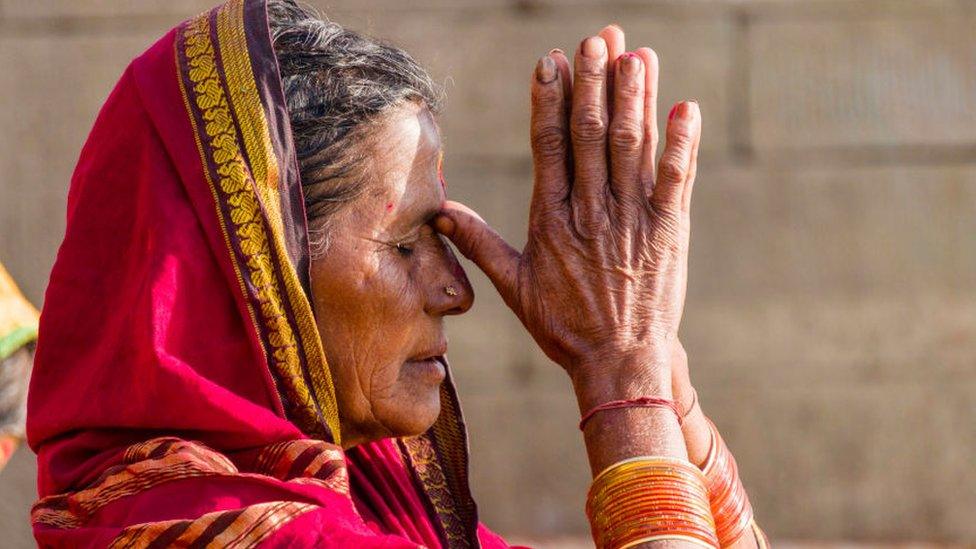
x=156 y=462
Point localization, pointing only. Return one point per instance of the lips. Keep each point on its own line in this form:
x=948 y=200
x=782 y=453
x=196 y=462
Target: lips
x=433 y=353
x=432 y=368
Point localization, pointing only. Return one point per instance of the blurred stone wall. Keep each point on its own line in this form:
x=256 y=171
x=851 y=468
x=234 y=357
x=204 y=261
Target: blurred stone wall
x=831 y=317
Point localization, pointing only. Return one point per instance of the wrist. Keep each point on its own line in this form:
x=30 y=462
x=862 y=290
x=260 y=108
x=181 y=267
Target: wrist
x=624 y=376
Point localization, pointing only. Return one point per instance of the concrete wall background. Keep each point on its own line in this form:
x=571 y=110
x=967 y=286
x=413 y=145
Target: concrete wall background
x=831 y=317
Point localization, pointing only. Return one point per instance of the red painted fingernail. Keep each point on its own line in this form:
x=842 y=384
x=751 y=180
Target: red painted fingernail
x=674 y=110
x=629 y=64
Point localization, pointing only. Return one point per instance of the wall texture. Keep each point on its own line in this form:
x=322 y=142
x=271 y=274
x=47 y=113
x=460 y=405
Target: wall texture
x=831 y=318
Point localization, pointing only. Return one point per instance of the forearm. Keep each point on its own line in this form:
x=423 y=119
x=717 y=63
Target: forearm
x=621 y=434
x=615 y=435
x=698 y=441
x=612 y=436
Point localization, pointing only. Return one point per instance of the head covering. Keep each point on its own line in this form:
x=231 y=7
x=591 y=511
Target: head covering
x=180 y=391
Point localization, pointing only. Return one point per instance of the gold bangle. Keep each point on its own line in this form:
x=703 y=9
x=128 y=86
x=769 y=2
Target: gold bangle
x=675 y=537
x=647 y=498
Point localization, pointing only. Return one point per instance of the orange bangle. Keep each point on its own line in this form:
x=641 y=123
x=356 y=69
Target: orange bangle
x=727 y=496
x=650 y=498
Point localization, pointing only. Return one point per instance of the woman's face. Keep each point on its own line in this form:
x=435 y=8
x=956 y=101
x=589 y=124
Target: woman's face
x=384 y=284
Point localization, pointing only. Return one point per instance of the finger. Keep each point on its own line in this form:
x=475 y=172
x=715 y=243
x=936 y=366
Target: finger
x=693 y=170
x=613 y=35
x=477 y=241
x=649 y=154
x=588 y=128
x=683 y=132
x=549 y=134
x=565 y=76
x=626 y=134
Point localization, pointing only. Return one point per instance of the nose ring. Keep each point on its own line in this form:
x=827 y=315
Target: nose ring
x=449 y=290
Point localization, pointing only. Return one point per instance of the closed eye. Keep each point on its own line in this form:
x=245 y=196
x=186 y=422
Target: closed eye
x=405 y=249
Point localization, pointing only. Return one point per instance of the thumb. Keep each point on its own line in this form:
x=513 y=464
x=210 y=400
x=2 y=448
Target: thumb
x=477 y=241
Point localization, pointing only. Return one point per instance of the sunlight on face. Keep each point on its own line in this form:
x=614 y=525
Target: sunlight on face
x=379 y=289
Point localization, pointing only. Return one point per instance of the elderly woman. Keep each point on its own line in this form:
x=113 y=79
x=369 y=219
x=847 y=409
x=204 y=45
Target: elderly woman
x=242 y=341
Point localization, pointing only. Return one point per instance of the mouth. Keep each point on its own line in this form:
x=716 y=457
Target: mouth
x=430 y=367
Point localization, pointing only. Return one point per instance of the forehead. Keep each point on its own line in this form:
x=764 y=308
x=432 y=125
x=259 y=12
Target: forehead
x=409 y=136
x=402 y=154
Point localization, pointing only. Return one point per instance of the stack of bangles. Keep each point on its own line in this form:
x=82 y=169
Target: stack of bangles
x=729 y=502
x=651 y=498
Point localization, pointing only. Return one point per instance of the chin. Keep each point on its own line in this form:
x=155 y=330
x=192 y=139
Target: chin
x=414 y=413
x=417 y=401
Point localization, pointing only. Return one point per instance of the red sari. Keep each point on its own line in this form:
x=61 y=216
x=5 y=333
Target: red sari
x=180 y=393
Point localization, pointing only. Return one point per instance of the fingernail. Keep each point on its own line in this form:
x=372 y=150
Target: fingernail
x=616 y=26
x=556 y=50
x=545 y=70
x=685 y=109
x=630 y=64
x=594 y=47
x=674 y=110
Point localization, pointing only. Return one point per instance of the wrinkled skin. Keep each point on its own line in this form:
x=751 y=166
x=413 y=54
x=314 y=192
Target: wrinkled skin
x=379 y=290
x=600 y=284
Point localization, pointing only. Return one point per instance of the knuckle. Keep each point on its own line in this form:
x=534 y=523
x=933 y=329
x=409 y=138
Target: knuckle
x=681 y=136
x=588 y=223
x=629 y=87
x=549 y=141
x=589 y=124
x=626 y=136
x=650 y=134
x=672 y=170
x=591 y=72
x=547 y=96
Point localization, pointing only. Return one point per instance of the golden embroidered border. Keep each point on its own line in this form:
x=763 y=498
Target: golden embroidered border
x=246 y=103
x=422 y=457
x=451 y=441
x=237 y=190
x=213 y=191
x=250 y=526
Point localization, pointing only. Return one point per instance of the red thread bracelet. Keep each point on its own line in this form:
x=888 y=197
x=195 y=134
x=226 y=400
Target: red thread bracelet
x=639 y=402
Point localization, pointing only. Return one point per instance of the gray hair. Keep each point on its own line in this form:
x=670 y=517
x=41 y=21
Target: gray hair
x=338 y=84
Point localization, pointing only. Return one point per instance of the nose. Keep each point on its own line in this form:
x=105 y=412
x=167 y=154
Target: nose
x=450 y=291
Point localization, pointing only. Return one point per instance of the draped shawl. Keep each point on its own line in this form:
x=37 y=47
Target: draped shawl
x=180 y=394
